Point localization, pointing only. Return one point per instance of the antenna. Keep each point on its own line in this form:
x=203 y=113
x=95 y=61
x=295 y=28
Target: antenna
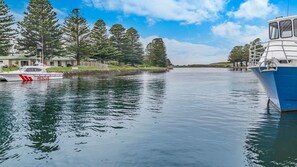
x=288 y=7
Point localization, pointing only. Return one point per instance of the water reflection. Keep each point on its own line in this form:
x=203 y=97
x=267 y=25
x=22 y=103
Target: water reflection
x=156 y=89
x=6 y=125
x=37 y=118
x=43 y=114
x=272 y=141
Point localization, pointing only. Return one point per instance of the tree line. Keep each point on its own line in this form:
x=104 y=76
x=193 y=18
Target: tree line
x=240 y=54
x=40 y=30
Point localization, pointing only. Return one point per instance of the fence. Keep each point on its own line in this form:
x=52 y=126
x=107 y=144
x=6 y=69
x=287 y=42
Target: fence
x=100 y=65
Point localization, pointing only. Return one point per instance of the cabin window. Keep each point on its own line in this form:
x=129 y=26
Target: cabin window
x=295 y=27
x=33 y=70
x=273 y=30
x=286 y=28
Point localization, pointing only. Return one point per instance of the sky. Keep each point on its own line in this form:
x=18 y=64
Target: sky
x=194 y=31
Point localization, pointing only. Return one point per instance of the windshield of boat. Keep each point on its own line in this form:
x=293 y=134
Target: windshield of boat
x=33 y=70
x=30 y=69
x=286 y=29
x=273 y=30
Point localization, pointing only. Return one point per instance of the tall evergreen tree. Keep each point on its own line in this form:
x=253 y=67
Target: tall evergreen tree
x=77 y=35
x=40 y=29
x=6 y=31
x=118 y=40
x=156 y=53
x=101 y=46
x=235 y=55
x=134 y=47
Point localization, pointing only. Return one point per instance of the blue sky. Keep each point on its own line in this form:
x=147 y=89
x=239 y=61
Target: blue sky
x=195 y=31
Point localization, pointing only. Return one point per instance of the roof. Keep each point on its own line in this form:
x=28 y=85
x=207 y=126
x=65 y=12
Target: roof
x=22 y=57
x=17 y=57
x=280 y=18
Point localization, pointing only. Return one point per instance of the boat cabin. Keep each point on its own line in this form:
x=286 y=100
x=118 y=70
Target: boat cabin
x=33 y=69
x=282 y=46
x=283 y=28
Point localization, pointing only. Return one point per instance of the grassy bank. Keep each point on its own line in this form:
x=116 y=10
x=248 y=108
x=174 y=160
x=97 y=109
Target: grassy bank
x=10 y=69
x=93 y=70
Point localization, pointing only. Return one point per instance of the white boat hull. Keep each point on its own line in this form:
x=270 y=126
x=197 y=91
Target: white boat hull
x=30 y=76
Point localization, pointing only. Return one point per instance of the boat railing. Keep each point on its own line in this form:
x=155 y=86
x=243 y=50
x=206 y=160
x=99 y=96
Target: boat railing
x=261 y=50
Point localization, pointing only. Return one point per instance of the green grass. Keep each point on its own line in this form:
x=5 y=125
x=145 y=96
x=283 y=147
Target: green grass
x=68 y=69
x=93 y=68
x=9 y=69
x=140 y=67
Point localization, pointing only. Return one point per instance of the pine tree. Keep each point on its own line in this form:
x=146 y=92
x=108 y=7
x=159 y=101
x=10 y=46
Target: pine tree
x=156 y=53
x=6 y=31
x=119 y=41
x=134 y=47
x=77 y=35
x=101 y=46
x=40 y=29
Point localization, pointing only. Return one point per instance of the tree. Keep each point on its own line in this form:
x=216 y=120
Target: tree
x=156 y=53
x=235 y=55
x=6 y=31
x=76 y=35
x=135 y=50
x=101 y=46
x=119 y=41
x=168 y=62
x=245 y=54
x=40 y=29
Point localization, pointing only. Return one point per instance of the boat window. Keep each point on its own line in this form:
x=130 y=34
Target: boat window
x=286 y=28
x=295 y=27
x=273 y=30
x=33 y=70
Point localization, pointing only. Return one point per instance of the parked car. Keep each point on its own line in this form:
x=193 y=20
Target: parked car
x=69 y=65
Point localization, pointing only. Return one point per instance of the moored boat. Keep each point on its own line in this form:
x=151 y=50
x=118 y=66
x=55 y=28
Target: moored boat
x=276 y=63
x=30 y=73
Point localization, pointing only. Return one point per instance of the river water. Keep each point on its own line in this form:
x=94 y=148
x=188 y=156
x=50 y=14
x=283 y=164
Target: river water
x=186 y=117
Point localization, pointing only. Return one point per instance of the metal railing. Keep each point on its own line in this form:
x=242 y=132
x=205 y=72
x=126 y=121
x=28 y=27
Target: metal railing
x=282 y=46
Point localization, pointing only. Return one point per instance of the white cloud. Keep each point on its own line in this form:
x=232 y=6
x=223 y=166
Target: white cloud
x=60 y=12
x=186 y=11
x=239 y=34
x=189 y=53
x=255 y=9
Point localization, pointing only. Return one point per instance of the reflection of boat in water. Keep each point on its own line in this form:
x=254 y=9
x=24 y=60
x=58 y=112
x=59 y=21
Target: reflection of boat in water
x=272 y=141
x=30 y=73
x=276 y=64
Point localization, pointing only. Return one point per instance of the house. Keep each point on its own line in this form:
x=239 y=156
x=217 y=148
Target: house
x=62 y=61
x=20 y=60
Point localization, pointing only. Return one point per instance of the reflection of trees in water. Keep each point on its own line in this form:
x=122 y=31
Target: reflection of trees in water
x=6 y=125
x=44 y=112
x=100 y=104
x=273 y=141
x=156 y=89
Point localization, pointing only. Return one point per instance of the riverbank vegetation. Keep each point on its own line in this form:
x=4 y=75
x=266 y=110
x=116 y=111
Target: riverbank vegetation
x=40 y=32
x=239 y=55
x=212 y=65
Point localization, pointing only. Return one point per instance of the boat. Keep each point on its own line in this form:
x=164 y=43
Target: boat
x=30 y=73
x=275 y=63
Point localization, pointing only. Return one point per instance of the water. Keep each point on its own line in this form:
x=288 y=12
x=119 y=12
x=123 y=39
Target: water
x=187 y=117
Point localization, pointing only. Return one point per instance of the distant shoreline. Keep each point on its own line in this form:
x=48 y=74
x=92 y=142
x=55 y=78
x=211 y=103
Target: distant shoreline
x=213 y=65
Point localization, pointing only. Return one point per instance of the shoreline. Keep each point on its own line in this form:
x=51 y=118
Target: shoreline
x=112 y=72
